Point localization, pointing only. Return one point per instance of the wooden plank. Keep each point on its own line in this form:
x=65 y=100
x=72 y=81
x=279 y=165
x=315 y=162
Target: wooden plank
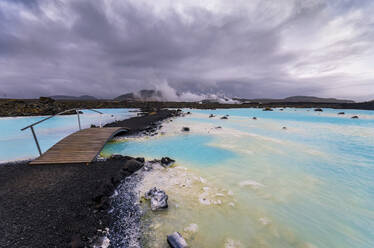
x=79 y=147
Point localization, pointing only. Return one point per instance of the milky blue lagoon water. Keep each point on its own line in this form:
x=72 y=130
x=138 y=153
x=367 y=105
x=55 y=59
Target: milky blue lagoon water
x=18 y=145
x=253 y=184
x=249 y=183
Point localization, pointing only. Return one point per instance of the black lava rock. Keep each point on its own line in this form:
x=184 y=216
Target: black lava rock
x=133 y=165
x=176 y=240
x=166 y=161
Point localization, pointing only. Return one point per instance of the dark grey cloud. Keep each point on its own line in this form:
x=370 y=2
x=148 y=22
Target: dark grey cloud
x=259 y=49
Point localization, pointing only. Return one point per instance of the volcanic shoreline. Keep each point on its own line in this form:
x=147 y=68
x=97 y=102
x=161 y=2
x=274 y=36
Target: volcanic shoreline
x=48 y=106
x=69 y=205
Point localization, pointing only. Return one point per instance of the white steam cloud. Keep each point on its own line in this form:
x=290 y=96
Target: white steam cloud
x=168 y=93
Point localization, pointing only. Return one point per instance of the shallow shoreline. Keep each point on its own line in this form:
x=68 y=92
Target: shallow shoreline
x=52 y=205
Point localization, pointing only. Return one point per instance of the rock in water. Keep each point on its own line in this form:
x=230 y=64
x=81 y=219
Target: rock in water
x=176 y=240
x=354 y=117
x=318 y=110
x=185 y=129
x=341 y=113
x=159 y=199
x=267 y=109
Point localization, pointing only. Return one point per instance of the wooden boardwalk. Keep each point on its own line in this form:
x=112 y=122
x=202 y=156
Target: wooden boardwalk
x=80 y=147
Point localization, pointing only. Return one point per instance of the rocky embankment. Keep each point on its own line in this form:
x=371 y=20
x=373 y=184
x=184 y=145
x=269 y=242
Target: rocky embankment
x=58 y=205
x=69 y=205
x=48 y=106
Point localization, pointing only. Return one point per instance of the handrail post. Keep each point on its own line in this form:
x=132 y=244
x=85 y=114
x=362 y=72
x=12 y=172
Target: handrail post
x=79 y=119
x=36 y=140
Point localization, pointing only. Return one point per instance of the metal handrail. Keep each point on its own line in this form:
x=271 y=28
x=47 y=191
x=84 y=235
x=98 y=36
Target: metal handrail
x=49 y=117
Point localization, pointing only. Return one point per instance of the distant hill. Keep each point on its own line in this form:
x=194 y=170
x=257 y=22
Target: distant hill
x=82 y=98
x=312 y=99
x=315 y=99
x=142 y=95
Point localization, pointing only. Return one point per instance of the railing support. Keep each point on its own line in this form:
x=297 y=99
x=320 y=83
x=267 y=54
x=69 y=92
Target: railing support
x=36 y=140
x=49 y=117
x=79 y=119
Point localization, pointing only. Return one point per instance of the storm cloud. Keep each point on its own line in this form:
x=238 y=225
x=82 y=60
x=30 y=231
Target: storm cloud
x=258 y=48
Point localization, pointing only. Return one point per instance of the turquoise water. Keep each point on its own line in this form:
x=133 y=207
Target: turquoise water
x=190 y=148
x=16 y=144
x=311 y=185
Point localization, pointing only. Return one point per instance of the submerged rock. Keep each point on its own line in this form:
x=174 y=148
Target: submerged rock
x=185 y=129
x=318 y=110
x=284 y=128
x=159 y=199
x=192 y=228
x=354 y=117
x=176 y=240
x=224 y=117
x=341 y=113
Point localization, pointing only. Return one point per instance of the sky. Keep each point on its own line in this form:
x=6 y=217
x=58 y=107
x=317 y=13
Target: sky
x=239 y=48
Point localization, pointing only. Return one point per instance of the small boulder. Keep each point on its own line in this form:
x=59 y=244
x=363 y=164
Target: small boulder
x=267 y=109
x=254 y=118
x=354 y=117
x=211 y=116
x=176 y=240
x=166 y=161
x=224 y=117
x=341 y=113
x=185 y=129
x=318 y=110
x=284 y=128
x=159 y=199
